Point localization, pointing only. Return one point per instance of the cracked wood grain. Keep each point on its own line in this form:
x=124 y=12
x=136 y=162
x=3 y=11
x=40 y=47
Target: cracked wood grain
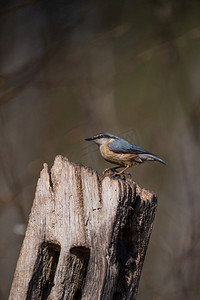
x=86 y=237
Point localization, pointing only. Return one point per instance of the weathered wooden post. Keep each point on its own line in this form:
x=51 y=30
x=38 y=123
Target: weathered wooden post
x=86 y=237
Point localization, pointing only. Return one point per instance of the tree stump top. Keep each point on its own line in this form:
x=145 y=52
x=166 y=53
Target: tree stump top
x=86 y=237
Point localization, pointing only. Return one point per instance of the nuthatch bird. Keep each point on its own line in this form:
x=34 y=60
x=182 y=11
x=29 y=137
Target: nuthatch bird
x=122 y=153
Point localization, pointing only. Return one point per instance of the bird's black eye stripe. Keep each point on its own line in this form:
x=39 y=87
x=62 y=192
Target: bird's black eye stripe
x=106 y=136
x=101 y=136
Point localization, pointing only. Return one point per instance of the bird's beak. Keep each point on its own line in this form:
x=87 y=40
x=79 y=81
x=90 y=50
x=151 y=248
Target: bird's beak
x=90 y=139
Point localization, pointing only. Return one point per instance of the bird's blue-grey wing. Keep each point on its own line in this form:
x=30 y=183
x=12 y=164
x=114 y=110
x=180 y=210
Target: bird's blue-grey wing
x=122 y=146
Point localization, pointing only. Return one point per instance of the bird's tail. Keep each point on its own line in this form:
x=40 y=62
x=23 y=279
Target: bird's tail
x=153 y=157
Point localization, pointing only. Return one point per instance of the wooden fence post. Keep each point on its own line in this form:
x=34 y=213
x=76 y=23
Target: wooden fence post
x=86 y=237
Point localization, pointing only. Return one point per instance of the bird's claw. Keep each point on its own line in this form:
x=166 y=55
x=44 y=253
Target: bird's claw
x=123 y=174
x=112 y=171
x=109 y=171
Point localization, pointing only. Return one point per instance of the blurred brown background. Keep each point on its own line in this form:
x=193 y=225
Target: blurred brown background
x=72 y=69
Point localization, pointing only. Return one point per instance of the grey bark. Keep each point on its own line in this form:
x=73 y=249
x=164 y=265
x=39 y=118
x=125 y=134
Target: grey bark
x=86 y=237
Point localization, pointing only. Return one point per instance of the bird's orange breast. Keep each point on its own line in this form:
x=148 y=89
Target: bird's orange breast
x=121 y=159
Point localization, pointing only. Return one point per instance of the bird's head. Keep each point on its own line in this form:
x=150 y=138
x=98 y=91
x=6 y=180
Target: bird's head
x=102 y=138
